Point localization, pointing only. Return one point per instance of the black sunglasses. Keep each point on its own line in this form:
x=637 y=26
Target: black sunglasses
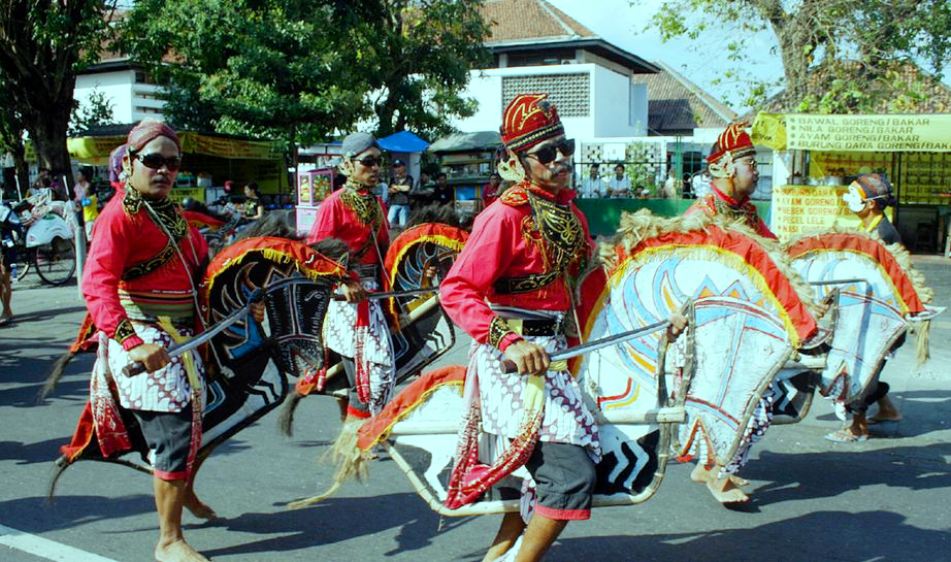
x=549 y=152
x=155 y=161
x=370 y=161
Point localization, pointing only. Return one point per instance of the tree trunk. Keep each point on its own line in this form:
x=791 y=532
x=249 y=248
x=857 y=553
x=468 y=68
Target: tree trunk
x=793 y=41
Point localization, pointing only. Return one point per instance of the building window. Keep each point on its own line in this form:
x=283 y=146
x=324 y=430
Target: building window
x=571 y=93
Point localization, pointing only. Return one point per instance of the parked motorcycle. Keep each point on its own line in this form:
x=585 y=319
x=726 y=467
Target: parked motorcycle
x=40 y=231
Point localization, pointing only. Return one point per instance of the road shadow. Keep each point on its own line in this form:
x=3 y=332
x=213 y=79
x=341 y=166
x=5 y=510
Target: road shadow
x=32 y=453
x=38 y=515
x=48 y=314
x=825 y=474
x=336 y=519
x=824 y=535
x=923 y=412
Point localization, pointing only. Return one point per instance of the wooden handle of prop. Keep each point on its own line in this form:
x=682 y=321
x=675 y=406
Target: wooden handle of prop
x=134 y=369
x=509 y=366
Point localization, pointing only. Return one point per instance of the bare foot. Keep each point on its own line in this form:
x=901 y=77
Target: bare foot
x=178 y=551
x=702 y=474
x=199 y=509
x=887 y=412
x=726 y=492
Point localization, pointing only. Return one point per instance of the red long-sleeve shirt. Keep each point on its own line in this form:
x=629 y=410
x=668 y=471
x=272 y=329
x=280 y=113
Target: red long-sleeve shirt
x=708 y=205
x=122 y=241
x=499 y=247
x=335 y=219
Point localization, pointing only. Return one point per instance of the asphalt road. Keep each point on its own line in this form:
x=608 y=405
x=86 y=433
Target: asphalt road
x=886 y=499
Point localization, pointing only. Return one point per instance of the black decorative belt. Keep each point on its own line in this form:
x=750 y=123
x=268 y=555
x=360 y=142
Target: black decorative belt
x=368 y=271
x=526 y=327
x=531 y=282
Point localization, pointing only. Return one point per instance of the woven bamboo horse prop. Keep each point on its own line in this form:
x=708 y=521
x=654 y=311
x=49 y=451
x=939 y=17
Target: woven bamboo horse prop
x=640 y=402
x=298 y=282
x=416 y=259
x=876 y=296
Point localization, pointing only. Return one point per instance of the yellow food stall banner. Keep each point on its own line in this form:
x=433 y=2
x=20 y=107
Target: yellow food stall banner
x=845 y=133
x=93 y=150
x=96 y=150
x=800 y=209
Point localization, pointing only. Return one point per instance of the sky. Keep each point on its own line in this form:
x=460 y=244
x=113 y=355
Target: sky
x=622 y=24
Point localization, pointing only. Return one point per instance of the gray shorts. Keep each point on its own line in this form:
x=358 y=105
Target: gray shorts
x=564 y=481
x=169 y=437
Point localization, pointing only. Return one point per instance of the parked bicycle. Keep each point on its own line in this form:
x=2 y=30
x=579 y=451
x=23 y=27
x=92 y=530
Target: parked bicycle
x=39 y=232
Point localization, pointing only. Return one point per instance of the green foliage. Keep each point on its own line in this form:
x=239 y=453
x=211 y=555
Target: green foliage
x=839 y=56
x=273 y=68
x=96 y=112
x=43 y=44
x=303 y=70
x=421 y=53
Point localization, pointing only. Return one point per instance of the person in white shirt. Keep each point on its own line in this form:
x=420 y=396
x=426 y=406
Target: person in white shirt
x=700 y=184
x=619 y=185
x=592 y=186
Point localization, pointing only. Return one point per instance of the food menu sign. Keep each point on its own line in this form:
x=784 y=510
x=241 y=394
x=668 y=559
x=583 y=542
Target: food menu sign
x=800 y=209
x=847 y=133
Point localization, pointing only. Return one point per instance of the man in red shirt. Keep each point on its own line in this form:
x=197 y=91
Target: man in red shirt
x=511 y=290
x=357 y=329
x=139 y=285
x=732 y=165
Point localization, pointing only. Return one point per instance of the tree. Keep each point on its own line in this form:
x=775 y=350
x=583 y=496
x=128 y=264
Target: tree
x=96 y=113
x=419 y=54
x=265 y=68
x=43 y=44
x=11 y=135
x=301 y=71
x=838 y=56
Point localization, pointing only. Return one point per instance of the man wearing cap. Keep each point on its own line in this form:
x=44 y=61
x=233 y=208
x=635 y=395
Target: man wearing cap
x=511 y=290
x=400 y=186
x=868 y=197
x=357 y=329
x=139 y=285
x=732 y=167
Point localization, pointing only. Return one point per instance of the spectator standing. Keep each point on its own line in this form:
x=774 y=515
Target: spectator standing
x=619 y=185
x=491 y=190
x=253 y=206
x=85 y=198
x=6 y=290
x=443 y=193
x=670 y=188
x=399 y=195
x=592 y=186
x=700 y=184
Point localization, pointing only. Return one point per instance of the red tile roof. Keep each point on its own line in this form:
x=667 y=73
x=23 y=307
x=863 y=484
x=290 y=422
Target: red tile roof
x=518 y=20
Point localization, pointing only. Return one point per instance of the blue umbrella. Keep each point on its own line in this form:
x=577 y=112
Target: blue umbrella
x=403 y=141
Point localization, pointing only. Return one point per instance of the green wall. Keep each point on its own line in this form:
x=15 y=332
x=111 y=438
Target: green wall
x=604 y=215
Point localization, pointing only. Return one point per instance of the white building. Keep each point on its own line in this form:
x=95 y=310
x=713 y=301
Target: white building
x=537 y=48
x=128 y=88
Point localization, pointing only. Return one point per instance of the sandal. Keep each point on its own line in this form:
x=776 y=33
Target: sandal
x=845 y=436
x=4 y=320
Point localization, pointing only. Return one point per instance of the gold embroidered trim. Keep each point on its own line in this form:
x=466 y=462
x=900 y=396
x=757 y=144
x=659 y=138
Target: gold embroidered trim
x=498 y=329
x=169 y=219
x=150 y=265
x=528 y=283
x=124 y=330
x=564 y=239
x=365 y=206
x=746 y=212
